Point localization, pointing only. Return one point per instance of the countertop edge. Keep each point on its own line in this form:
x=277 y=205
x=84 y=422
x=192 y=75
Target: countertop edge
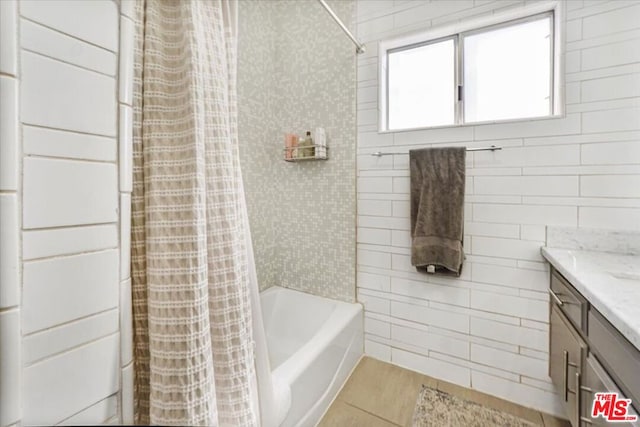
x=625 y=329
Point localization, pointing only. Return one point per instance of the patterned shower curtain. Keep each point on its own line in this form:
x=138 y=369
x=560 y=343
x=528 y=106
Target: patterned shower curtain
x=193 y=345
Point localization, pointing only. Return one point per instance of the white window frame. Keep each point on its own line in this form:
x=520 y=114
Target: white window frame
x=457 y=32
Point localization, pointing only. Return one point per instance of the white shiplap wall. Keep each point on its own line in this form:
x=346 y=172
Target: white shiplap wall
x=488 y=329
x=65 y=334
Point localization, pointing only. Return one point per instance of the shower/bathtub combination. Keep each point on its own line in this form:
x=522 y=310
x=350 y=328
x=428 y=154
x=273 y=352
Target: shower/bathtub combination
x=307 y=345
x=313 y=345
x=131 y=161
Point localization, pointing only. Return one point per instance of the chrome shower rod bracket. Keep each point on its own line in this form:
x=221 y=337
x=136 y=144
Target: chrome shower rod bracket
x=359 y=46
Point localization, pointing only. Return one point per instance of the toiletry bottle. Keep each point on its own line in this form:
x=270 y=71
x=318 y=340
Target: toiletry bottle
x=321 y=143
x=288 y=146
x=308 y=141
x=303 y=151
x=295 y=152
x=302 y=148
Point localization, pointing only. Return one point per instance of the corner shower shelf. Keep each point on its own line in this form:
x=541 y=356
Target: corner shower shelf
x=290 y=153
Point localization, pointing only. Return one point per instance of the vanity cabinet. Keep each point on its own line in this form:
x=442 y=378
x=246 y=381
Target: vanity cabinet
x=566 y=360
x=569 y=301
x=616 y=354
x=587 y=355
x=596 y=380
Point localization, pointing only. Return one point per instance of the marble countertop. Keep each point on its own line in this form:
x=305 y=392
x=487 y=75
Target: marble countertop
x=609 y=281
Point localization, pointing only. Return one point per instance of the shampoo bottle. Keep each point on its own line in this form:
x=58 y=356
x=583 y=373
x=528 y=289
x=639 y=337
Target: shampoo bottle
x=308 y=150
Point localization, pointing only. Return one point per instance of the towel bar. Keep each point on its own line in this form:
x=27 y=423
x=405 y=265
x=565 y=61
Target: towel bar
x=492 y=148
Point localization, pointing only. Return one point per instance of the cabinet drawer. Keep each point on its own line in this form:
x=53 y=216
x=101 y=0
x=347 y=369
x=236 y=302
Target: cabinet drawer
x=566 y=358
x=596 y=380
x=569 y=301
x=617 y=355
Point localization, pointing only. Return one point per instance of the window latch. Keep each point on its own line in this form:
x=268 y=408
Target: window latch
x=459 y=92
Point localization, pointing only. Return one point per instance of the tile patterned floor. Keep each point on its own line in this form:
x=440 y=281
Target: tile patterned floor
x=381 y=394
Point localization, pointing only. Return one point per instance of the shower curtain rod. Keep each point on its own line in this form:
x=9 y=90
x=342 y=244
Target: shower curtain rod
x=492 y=148
x=359 y=46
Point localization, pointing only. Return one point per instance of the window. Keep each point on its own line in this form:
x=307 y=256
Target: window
x=422 y=85
x=503 y=70
x=507 y=71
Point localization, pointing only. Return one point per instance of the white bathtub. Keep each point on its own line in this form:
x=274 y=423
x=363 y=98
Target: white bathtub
x=314 y=343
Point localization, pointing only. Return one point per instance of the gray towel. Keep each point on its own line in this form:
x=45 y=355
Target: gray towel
x=437 y=208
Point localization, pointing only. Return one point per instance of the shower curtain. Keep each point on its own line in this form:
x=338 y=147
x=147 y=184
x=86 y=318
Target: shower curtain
x=192 y=267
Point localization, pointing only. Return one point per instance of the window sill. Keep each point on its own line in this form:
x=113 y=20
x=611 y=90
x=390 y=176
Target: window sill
x=489 y=122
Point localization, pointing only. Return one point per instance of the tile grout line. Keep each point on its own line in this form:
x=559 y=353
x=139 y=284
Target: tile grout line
x=73 y=131
x=67 y=62
x=84 y=41
x=66 y=158
x=370 y=413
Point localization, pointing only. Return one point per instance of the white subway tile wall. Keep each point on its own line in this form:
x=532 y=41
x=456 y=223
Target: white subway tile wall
x=10 y=349
x=8 y=133
x=126 y=146
x=48 y=101
x=10 y=368
x=45 y=243
x=125 y=236
x=63 y=220
x=125 y=81
x=488 y=329
x=94 y=22
x=9 y=251
x=126 y=323
x=53 y=44
x=9 y=36
x=46 y=142
x=52 y=341
x=62 y=289
x=54 y=195
x=61 y=386
x=126 y=381
x=106 y=410
x=125 y=178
